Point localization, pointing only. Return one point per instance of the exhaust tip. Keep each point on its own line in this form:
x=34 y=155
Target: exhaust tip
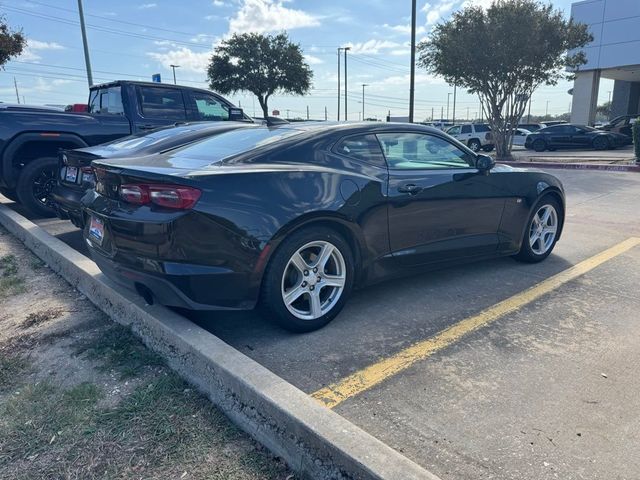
x=144 y=292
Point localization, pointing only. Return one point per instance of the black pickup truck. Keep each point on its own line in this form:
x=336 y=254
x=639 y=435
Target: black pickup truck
x=30 y=138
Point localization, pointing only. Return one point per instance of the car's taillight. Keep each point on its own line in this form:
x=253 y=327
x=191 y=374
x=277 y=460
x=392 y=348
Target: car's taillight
x=168 y=196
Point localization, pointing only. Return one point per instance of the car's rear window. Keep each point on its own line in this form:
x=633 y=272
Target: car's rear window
x=234 y=142
x=482 y=128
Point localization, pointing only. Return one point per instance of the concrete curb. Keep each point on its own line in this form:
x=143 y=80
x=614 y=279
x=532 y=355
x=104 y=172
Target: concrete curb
x=576 y=166
x=315 y=441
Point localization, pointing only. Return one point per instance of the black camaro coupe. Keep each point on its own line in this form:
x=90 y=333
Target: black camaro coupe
x=292 y=218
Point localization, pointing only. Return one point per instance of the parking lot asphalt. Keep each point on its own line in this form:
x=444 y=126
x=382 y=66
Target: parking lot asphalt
x=619 y=155
x=546 y=389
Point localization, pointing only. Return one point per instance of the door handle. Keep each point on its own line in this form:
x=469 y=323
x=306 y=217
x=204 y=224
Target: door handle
x=409 y=188
x=147 y=127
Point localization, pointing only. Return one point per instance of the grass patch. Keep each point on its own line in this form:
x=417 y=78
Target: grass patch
x=117 y=348
x=161 y=430
x=10 y=282
x=11 y=368
x=38 y=318
x=35 y=263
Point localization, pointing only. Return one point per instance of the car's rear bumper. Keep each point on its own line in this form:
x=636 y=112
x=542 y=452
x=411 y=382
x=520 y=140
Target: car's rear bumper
x=67 y=204
x=173 y=284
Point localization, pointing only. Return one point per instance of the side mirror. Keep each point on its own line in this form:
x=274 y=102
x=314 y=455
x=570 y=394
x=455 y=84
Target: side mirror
x=484 y=163
x=236 y=114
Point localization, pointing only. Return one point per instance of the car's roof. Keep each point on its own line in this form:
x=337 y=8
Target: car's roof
x=357 y=127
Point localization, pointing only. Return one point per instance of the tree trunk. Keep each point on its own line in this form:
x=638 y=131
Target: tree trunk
x=263 y=104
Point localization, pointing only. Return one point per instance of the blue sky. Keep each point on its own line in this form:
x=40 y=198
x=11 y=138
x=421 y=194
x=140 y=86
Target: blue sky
x=135 y=38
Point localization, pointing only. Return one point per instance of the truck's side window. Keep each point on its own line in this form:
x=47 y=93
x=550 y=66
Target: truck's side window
x=106 y=101
x=162 y=103
x=209 y=107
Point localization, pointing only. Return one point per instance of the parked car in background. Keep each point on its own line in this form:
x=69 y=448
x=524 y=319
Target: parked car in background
x=30 y=138
x=532 y=127
x=574 y=136
x=622 y=124
x=519 y=137
x=76 y=175
x=292 y=218
x=476 y=136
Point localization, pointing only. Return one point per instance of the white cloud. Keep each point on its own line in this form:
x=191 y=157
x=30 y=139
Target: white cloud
x=146 y=6
x=269 y=16
x=405 y=29
x=437 y=11
x=478 y=3
x=311 y=60
x=421 y=78
x=185 y=57
x=30 y=53
x=372 y=47
x=219 y=3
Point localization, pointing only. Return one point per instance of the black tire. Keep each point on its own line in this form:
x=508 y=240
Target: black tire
x=601 y=143
x=488 y=148
x=539 y=145
x=10 y=193
x=526 y=253
x=34 y=185
x=474 y=144
x=272 y=303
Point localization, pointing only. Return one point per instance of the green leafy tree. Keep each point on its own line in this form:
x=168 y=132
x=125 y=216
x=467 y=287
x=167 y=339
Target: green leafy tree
x=260 y=64
x=11 y=42
x=503 y=54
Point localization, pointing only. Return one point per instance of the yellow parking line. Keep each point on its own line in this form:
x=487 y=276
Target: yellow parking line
x=372 y=375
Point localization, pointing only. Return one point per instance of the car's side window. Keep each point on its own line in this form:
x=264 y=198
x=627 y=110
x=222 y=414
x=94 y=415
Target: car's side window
x=162 y=103
x=419 y=151
x=364 y=148
x=106 y=101
x=454 y=131
x=209 y=107
x=466 y=129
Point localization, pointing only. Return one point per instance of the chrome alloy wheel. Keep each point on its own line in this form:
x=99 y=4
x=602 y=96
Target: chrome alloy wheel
x=313 y=280
x=543 y=229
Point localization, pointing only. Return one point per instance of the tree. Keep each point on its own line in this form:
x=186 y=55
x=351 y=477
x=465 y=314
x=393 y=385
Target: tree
x=11 y=42
x=503 y=54
x=260 y=64
x=604 y=110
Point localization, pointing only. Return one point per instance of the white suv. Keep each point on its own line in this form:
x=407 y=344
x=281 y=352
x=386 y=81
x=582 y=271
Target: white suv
x=476 y=136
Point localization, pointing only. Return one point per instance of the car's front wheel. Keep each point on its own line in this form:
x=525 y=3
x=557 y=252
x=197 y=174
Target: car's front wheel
x=542 y=230
x=539 y=145
x=308 y=279
x=474 y=145
x=35 y=183
x=601 y=143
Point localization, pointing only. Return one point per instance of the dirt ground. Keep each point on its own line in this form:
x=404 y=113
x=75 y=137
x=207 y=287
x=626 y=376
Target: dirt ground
x=81 y=397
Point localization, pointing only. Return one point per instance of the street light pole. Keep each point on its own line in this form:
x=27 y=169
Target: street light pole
x=346 y=49
x=413 y=60
x=174 y=72
x=363 y=85
x=546 y=113
x=87 y=61
x=448 y=96
x=455 y=88
x=339 y=49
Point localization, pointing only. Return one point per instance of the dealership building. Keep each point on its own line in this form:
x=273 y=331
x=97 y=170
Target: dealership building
x=614 y=54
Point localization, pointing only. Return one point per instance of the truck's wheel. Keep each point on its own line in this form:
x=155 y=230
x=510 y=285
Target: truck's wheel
x=10 y=193
x=36 y=180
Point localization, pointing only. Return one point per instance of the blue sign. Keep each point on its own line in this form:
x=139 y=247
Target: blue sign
x=156 y=78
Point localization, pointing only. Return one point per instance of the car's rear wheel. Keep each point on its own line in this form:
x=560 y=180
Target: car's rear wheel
x=474 y=144
x=35 y=183
x=542 y=230
x=601 y=143
x=10 y=193
x=308 y=280
x=539 y=145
